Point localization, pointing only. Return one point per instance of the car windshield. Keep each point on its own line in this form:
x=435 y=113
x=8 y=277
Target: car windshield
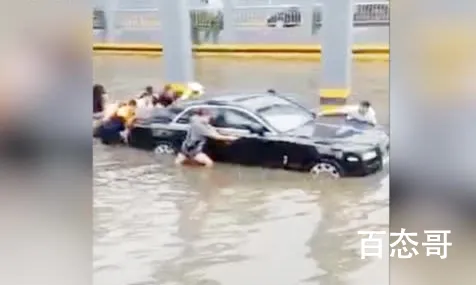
x=323 y=130
x=339 y=131
x=285 y=118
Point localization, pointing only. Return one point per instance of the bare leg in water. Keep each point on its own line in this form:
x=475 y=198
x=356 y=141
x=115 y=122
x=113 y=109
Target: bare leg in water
x=204 y=159
x=180 y=159
x=201 y=158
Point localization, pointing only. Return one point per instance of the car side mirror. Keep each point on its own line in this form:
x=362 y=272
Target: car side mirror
x=257 y=130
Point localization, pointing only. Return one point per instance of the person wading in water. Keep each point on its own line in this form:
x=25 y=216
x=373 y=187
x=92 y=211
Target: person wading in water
x=194 y=143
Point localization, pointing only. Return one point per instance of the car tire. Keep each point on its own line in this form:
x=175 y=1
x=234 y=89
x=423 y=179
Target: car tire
x=164 y=148
x=327 y=168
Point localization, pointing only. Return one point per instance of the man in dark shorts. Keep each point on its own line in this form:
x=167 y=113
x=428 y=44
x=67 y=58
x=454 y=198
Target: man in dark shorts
x=194 y=143
x=167 y=96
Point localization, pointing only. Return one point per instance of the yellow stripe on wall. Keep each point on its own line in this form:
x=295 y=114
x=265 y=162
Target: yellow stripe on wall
x=242 y=47
x=332 y=99
x=334 y=93
x=269 y=51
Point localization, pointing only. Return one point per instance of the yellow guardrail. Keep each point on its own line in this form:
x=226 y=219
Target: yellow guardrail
x=272 y=51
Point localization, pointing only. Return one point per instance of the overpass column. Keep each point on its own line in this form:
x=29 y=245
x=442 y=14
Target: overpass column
x=228 y=33
x=337 y=40
x=176 y=40
x=110 y=10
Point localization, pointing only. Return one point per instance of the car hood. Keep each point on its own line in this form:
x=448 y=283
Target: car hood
x=363 y=140
x=346 y=138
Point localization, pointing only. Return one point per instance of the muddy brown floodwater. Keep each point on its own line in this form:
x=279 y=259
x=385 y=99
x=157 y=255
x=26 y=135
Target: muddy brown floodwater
x=155 y=224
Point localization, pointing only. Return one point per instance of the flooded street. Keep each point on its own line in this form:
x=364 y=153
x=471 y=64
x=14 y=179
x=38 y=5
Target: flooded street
x=158 y=224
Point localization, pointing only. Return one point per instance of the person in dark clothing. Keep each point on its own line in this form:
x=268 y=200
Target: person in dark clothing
x=167 y=96
x=165 y=100
x=110 y=131
x=99 y=93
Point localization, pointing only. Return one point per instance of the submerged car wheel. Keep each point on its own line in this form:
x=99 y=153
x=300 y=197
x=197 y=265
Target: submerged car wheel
x=164 y=148
x=326 y=169
x=279 y=24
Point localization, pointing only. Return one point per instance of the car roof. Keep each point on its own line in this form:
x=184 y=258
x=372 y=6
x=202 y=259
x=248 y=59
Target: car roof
x=250 y=101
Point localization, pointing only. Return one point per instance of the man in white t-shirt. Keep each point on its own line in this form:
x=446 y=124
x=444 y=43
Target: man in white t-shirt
x=145 y=98
x=363 y=113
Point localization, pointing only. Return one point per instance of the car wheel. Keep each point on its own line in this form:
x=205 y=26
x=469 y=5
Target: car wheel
x=326 y=168
x=164 y=148
x=279 y=24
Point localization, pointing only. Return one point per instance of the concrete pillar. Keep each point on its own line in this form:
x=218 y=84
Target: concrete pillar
x=110 y=10
x=228 y=33
x=176 y=41
x=336 y=42
x=307 y=15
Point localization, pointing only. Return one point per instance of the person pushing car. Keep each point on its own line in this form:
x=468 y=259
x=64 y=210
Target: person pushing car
x=196 y=139
x=363 y=113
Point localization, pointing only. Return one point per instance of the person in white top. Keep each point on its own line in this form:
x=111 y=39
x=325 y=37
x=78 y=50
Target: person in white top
x=145 y=98
x=363 y=113
x=195 y=90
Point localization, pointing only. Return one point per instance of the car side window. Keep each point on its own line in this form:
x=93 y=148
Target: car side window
x=185 y=117
x=229 y=118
